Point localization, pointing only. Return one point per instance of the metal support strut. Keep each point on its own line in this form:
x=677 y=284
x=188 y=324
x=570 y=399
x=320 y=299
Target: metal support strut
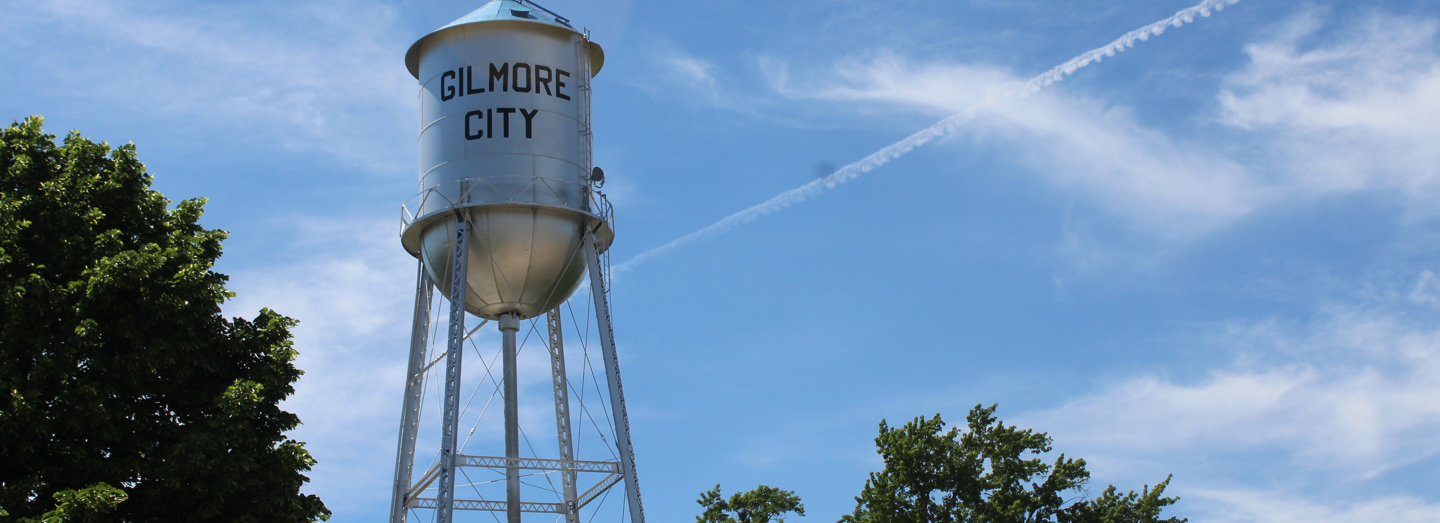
x=612 y=370
x=455 y=291
x=410 y=412
x=562 y=414
x=509 y=324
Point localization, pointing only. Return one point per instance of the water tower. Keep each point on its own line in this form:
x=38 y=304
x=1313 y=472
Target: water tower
x=507 y=224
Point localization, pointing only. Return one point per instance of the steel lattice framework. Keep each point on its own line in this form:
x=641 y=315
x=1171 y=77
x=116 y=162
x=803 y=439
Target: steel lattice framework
x=440 y=478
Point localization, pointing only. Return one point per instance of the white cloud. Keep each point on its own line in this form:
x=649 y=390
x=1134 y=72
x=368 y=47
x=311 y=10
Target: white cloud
x=1271 y=507
x=1165 y=185
x=702 y=83
x=307 y=75
x=670 y=70
x=352 y=291
x=1361 y=112
x=1355 y=112
x=1337 y=403
x=693 y=71
x=891 y=78
x=1427 y=290
x=1357 y=391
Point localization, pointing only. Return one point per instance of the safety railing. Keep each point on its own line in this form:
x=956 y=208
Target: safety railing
x=526 y=190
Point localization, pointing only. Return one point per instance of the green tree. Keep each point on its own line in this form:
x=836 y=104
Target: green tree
x=87 y=505
x=989 y=474
x=756 y=506
x=117 y=369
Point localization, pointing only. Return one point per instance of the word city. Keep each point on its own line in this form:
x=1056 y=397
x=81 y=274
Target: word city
x=488 y=115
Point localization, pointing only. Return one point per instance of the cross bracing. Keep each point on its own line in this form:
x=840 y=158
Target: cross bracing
x=586 y=418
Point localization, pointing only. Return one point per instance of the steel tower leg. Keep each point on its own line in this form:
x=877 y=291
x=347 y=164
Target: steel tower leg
x=562 y=413
x=455 y=291
x=612 y=371
x=410 y=413
x=509 y=324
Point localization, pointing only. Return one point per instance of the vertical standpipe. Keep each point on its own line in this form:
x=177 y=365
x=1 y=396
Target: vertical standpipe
x=509 y=324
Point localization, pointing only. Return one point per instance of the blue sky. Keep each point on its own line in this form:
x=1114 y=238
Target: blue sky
x=1212 y=255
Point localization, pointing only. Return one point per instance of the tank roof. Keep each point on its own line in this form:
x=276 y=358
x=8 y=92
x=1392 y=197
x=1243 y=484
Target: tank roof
x=511 y=10
x=495 y=11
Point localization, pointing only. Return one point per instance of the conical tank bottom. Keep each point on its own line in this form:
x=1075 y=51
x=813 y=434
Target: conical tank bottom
x=522 y=259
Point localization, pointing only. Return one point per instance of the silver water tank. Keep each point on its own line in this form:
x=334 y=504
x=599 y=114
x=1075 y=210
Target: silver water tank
x=505 y=136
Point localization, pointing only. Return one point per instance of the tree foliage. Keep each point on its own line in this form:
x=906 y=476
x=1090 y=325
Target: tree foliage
x=756 y=506
x=88 y=505
x=121 y=384
x=991 y=473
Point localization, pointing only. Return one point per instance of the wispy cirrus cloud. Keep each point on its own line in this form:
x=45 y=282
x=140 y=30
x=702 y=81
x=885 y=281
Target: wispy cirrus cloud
x=352 y=290
x=1272 y=507
x=1351 y=395
x=1349 y=111
x=1356 y=391
x=1358 y=110
x=321 y=76
x=671 y=71
x=1166 y=185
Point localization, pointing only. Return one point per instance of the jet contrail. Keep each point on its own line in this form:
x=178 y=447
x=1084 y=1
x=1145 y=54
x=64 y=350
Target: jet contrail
x=941 y=128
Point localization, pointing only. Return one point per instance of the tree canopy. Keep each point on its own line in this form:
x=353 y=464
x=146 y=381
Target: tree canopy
x=991 y=473
x=125 y=394
x=756 y=506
